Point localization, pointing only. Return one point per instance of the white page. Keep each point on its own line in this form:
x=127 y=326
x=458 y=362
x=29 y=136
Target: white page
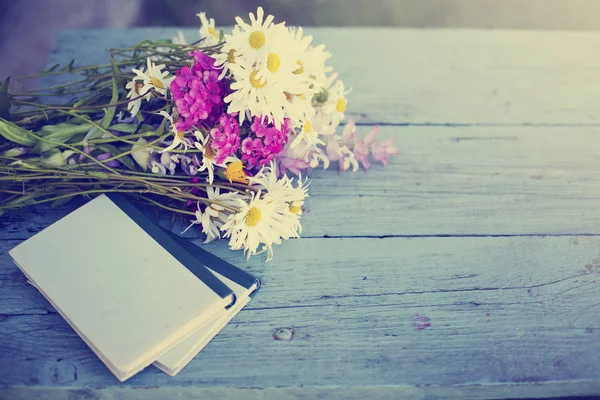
x=177 y=358
x=126 y=296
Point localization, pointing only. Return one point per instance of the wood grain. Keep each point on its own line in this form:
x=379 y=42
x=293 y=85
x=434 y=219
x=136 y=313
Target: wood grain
x=446 y=181
x=466 y=268
x=413 y=76
x=397 y=311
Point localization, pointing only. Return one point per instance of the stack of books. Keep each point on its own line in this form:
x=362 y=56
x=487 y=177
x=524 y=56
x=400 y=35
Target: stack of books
x=134 y=292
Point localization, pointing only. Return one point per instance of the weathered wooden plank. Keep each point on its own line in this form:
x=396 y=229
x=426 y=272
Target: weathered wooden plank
x=430 y=76
x=446 y=181
x=472 y=312
x=388 y=392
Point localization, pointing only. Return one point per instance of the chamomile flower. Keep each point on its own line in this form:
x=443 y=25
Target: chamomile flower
x=207 y=30
x=215 y=214
x=288 y=197
x=178 y=134
x=154 y=78
x=134 y=88
x=252 y=41
x=310 y=131
x=208 y=163
x=335 y=105
x=257 y=96
x=257 y=223
x=227 y=56
x=310 y=61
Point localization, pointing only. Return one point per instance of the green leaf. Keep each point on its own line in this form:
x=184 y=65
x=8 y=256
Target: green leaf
x=59 y=133
x=22 y=200
x=130 y=128
x=5 y=100
x=60 y=202
x=97 y=174
x=54 y=158
x=16 y=134
x=117 y=72
x=125 y=160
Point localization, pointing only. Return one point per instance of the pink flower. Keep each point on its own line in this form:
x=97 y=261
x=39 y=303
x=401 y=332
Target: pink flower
x=333 y=149
x=379 y=151
x=269 y=142
x=226 y=137
x=252 y=151
x=198 y=93
x=294 y=165
x=361 y=152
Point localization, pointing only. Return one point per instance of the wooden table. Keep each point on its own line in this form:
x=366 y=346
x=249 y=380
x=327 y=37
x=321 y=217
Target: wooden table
x=469 y=267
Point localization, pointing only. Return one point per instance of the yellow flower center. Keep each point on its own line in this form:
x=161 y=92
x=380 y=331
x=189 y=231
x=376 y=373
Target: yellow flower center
x=231 y=56
x=257 y=82
x=340 y=106
x=307 y=127
x=212 y=31
x=300 y=69
x=273 y=62
x=180 y=134
x=253 y=217
x=256 y=40
x=294 y=209
x=157 y=82
x=235 y=172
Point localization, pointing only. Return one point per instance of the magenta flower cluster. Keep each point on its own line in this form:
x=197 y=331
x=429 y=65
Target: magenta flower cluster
x=225 y=137
x=268 y=141
x=198 y=93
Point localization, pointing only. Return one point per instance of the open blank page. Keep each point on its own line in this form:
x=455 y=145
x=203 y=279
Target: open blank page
x=127 y=296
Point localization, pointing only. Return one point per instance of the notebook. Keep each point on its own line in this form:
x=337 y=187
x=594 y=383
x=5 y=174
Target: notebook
x=243 y=284
x=131 y=292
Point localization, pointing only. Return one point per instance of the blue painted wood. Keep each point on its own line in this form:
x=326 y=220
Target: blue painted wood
x=424 y=77
x=399 y=316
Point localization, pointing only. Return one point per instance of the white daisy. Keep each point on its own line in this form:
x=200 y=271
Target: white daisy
x=207 y=30
x=288 y=197
x=335 y=105
x=258 y=96
x=252 y=41
x=227 y=56
x=208 y=163
x=215 y=215
x=178 y=135
x=134 y=87
x=257 y=223
x=153 y=79
x=309 y=133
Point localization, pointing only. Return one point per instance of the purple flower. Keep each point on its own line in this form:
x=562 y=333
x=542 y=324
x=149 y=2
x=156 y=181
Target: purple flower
x=379 y=151
x=111 y=163
x=268 y=143
x=226 y=137
x=252 y=151
x=198 y=93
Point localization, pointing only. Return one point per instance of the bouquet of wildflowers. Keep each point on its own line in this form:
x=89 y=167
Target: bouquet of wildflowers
x=219 y=131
